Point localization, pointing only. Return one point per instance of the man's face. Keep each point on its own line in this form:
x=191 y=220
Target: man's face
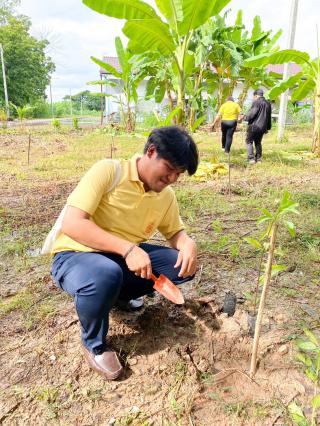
x=160 y=173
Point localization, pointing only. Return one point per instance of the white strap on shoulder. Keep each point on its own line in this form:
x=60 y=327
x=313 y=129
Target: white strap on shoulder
x=56 y=229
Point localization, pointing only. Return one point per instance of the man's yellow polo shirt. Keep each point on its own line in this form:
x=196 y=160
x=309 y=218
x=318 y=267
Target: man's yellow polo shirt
x=128 y=212
x=229 y=110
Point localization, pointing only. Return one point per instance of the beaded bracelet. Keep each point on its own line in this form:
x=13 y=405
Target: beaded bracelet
x=129 y=251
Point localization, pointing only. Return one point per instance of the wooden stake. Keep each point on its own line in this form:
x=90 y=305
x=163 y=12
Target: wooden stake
x=29 y=144
x=267 y=279
x=229 y=174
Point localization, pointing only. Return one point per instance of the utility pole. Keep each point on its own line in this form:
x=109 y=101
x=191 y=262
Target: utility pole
x=290 y=44
x=4 y=82
x=51 y=100
x=70 y=103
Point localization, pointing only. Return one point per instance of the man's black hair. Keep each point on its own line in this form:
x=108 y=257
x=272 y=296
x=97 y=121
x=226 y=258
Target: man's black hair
x=175 y=145
x=258 y=92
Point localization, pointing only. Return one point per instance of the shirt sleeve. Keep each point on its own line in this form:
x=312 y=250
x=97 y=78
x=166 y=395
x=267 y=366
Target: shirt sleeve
x=93 y=185
x=171 y=222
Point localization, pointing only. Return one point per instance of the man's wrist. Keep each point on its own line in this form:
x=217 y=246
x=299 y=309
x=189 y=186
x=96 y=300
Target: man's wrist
x=128 y=251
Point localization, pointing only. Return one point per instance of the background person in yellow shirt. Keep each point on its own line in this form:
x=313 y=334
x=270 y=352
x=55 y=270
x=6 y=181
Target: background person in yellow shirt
x=228 y=113
x=101 y=255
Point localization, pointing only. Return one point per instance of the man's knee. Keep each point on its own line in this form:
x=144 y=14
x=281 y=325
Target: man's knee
x=106 y=280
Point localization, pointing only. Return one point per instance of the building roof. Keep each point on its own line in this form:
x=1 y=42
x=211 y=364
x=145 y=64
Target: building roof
x=278 y=68
x=111 y=60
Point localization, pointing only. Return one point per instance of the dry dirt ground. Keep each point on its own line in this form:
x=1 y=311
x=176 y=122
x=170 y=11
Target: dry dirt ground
x=183 y=365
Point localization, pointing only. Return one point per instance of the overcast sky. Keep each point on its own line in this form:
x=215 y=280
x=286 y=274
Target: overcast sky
x=76 y=32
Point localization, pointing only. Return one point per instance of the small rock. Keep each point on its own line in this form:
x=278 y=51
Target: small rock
x=112 y=421
x=52 y=357
x=229 y=303
x=132 y=361
x=283 y=350
x=135 y=410
x=224 y=315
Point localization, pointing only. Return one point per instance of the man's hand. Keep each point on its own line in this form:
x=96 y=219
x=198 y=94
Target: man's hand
x=138 y=261
x=187 y=257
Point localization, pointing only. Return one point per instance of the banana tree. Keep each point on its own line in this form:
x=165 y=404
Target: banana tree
x=168 y=32
x=161 y=77
x=257 y=43
x=128 y=79
x=304 y=83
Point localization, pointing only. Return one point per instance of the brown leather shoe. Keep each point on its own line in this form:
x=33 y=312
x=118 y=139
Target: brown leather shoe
x=107 y=364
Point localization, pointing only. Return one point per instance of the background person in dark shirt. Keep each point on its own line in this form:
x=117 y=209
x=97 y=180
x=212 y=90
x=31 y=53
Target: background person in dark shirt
x=259 y=122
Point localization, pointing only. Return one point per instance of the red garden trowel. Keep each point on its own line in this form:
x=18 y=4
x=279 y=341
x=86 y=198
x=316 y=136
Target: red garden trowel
x=165 y=287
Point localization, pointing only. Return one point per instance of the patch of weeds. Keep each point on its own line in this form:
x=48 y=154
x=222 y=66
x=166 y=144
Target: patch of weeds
x=135 y=416
x=50 y=397
x=234 y=251
x=309 y=200
x=237 y=409
x=206 y=378
x=217 y=226
x=177 y=408
x=259 y=410
x=214 y=396
x=22 y=300
x=289 y=292
x=309 y=241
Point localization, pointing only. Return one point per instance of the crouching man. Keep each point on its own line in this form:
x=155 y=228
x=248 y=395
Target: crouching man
x=101 y=256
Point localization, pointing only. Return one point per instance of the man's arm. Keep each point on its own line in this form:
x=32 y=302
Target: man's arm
x=218 y=116
x=78 y=226
x=252 y=113
x=187 y=257
x=269 y=117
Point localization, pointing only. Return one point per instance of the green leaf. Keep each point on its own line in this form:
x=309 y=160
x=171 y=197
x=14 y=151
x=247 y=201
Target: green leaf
x=171 y=10
x=256 y=30
x=159 y=93
x=311 y=374
x=311 y=337
x=307 y=346
x=121 y=56
x=173 y=113
x=284 y=85
x=275 y=269
x=198 y=123
x=303 y=90
x=305 y=359
x=150 y=88
x=254 y=243
x=291 y=228
x=297 y=414
x=102 y=82
x=316 y=402
x=281 y=57
x=122 y=9
x=263 y=218
x=197 y=12
x=106 y=66
x=152 y=34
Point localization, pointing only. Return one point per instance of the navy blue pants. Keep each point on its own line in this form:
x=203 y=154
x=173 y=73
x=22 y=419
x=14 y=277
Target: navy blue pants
x=97 y=280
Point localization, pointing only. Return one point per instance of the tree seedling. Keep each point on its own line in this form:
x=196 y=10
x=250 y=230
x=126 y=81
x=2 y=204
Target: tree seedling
x=266 y=245
x=309 y=356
